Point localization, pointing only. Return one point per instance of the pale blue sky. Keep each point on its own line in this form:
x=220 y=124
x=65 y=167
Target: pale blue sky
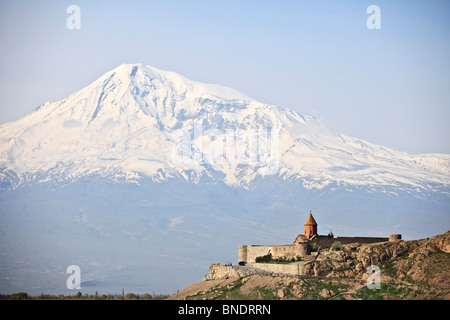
x=388 y=86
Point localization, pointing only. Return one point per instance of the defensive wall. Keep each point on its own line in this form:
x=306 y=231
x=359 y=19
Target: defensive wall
x=326 y=242
x=248 y=254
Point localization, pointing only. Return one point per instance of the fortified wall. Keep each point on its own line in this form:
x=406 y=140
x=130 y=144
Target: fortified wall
x=302 y=244
x=326 y=242
x=248 y=254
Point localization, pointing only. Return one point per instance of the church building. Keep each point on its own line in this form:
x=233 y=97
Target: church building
x=302 y=244
x=310 y=231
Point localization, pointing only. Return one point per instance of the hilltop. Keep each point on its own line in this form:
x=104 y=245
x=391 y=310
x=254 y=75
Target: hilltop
x=418 y=269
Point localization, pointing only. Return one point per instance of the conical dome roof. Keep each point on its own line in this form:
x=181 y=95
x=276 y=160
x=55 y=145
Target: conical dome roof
x=310 y=221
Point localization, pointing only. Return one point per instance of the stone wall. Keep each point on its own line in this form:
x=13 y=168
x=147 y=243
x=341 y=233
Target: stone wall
x=395 y=237
x=248 y=254
x=221 y=271
x=326 y=242
x=299 y=268
x=292 y=268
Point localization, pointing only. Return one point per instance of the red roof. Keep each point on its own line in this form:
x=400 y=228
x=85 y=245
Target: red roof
x=310 y=221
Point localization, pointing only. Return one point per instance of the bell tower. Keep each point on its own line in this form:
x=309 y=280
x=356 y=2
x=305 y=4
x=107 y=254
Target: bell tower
x=310 y=226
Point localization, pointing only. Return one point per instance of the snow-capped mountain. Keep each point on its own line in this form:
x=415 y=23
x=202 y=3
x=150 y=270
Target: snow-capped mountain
x=137 y=122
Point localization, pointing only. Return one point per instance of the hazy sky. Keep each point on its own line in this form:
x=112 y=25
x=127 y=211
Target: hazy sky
x=389 y=86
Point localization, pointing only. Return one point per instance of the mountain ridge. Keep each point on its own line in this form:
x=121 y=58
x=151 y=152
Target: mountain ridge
x=128 y=124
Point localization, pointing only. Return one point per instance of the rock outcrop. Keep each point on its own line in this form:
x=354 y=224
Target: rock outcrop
x=418 y=269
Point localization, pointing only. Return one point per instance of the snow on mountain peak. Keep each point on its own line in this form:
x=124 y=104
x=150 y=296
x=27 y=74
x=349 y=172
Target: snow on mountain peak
x=136 y=121
x=141 y=75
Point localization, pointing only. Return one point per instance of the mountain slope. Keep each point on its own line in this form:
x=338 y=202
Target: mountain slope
x=138 y=122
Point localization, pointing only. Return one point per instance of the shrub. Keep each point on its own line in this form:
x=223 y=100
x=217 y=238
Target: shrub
x=268 y=259
x=19 y=296
x=146 y=296
x=336 y=246
x=315 y=247
x=262 y=259
x=132 y=296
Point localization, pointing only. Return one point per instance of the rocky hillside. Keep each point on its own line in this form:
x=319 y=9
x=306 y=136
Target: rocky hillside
x=418 y=269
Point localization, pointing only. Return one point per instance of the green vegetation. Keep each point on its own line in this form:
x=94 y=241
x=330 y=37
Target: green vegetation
x=437 y=262
x=402 y=291
x=314 y=287
x=268 y=259
x=388 y=291
x=263 y=294
x=336 y=246
x=389 y=269
x=304 y=290
x=233 y=292
x=19 y=296
x=264 y=259
x=80 y=296
x=230 y=292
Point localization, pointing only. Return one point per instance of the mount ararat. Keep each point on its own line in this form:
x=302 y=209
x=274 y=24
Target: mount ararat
x=122 y=127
